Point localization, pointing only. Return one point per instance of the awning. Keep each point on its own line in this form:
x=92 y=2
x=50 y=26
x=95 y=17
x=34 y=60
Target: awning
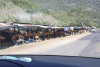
x=55 y=27
x=81 y=27
x=18 y=35
x=66 y=28
x=25 y=26
x=61 y=27
x=42 y=26
x=4 y=26
x=46 y=26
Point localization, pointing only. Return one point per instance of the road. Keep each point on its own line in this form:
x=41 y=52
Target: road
x=88 y=46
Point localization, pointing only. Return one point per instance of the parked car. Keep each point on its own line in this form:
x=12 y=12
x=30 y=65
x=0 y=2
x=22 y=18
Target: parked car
x=92 y=30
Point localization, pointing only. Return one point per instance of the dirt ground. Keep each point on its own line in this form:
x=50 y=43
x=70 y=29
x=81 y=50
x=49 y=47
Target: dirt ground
x=38 y=46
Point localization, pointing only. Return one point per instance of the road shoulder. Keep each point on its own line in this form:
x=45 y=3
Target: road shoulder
x=39 y=46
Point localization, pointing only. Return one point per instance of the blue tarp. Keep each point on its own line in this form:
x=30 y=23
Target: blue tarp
x=65 y=29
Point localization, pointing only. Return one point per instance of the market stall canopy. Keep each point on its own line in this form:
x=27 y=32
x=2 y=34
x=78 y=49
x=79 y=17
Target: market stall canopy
x=24 y=23
x=4 y=26
x=46 y=26
x=61 y=27
x=25 y=26
x=18 y=35
x=11 y=23
x=43 y=26
x=80 y=27
x=71 y=28
x=75 y=27
x=86 y=27
x=55 y=27
x=66 y=28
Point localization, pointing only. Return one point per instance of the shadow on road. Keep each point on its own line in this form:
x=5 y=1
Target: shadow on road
x=5 y=47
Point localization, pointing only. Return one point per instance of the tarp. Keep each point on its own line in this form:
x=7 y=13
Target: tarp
x=46 y=26
x=65 y=28
x=86 y=27
x=43 y=26
x=6 y=27
x=28 y=27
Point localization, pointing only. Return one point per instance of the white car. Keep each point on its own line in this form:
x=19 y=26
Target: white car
x=92 y=30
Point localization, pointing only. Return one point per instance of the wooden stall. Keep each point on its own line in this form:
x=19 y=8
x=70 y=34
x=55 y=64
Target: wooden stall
x=50 y=34
x=67 y=30
x=18 y=38
x=29 y=34
x=76 y=30
x=80 y=30
x=47 y=32
x=62 y=33
x=37 y=33
x=56 y=32
x=44 y=32
x=70 y=30
x=5 y=32
x=2 y=41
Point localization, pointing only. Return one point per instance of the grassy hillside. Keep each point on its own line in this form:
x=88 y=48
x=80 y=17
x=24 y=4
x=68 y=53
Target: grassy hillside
x=18 y=11
x=8 y=10
x=77 y=17
x=26 y=5
x=67 y=5
x=29 y=12
x=79 y=12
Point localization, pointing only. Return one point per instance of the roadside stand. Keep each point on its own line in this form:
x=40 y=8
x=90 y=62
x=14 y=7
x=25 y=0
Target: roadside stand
x=18 y=39
x=1 y=41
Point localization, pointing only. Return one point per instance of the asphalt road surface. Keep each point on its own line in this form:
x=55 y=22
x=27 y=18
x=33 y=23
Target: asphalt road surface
x=88 y=46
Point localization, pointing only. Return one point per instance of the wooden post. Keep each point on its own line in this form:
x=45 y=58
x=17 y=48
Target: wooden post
x=14 y=30
x=44 y=36
x=3 y=42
